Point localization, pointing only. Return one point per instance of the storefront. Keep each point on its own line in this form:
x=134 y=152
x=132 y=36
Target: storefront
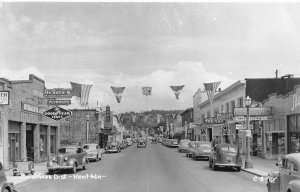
x=293 y=130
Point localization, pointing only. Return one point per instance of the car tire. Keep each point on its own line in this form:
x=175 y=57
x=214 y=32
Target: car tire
x=50 y=172
x=214 y=168
x=238 y=169
x=83 y=167
x=6 y=190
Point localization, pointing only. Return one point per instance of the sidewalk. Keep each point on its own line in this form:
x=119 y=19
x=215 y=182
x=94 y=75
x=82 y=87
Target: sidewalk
x=261 y=167
x=40 y=169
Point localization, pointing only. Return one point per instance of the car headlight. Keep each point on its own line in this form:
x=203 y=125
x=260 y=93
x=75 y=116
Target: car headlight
x=66 y=158
x=54 y=159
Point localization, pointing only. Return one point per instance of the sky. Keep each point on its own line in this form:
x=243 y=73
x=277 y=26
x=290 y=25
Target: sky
x=135 y=44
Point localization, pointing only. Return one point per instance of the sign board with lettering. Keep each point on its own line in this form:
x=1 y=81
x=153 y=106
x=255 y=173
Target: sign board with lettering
x=253 y=111
x=224 y=116
x=58 y=102
x=32 y=108
x=213 y=120
x=242 y=126
x=58 y=93
x=4 y=97
x=253 y=118
x=57 y=113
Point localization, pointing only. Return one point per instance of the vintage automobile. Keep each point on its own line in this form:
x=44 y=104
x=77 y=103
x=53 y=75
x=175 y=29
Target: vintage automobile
x=112 y=147
x=93 y=151
x=173 y=143
x=189 y=150
x=202 y=150
x=141 y=143
x=68 y=158
x=225 y=155
x=288 y=177
x=183 y=145
x=4 y=185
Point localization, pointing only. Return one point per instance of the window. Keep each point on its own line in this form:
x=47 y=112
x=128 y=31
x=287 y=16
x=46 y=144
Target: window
x=232 y=106
x=227 y=108
x=43 y=145
x=240 y=102
x=216 y=111
x=208 y=114
x=222 y=108
x=79 y=150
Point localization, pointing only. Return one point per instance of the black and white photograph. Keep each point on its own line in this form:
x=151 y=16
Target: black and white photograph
x=150 y=96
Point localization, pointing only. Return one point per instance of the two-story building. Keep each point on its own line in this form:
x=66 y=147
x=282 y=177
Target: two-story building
x=25 y=132
x=187 y=120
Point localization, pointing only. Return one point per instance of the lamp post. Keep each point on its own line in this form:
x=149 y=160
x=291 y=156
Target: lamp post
x=87 y=127
x=248 y=161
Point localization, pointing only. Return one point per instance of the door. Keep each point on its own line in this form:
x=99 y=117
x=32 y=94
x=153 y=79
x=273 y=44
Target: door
x=29 y=144
x=209 y=131
x=12 y=147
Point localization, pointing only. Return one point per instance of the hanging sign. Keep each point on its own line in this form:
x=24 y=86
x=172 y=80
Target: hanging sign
x=58 y=102
x=4 y=97
x=58 y=93
x=253 y=111
x=213 y=120
x=57 y=113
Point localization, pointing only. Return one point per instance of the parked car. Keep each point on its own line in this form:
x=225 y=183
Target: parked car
x=189 y=150
x=173 y=143
x=183 y=145
x=129 y=141
x=288 y=177
x=113 y=147
x=68 y=158
x=225 y=155
x=202 y=150
x=123 y=144
x=4 y=185
x=93 y=151
x=141 y=143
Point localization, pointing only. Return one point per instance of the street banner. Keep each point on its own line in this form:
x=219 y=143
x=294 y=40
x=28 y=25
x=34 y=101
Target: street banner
x=176 y=90
x=81 y=91
x=118 y=91
x=147 y=91
x=4 y=97
x=57 y=113
x=211 y=89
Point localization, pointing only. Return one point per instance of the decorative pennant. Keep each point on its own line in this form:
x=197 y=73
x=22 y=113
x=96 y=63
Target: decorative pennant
x=211 y=90
x=81 y=91
x=118 y=91
x=176 y=90
x=147 y=91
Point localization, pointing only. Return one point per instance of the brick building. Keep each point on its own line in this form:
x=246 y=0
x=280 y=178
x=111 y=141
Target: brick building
x=25 y=132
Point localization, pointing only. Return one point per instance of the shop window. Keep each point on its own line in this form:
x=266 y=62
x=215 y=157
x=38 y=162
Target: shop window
x=43 y=145
x=52 y=144
x=227 y=108
x=292 y=123
x=14 y=148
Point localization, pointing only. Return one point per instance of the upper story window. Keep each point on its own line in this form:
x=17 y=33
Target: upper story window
x=227 y=108
x=240 y=102
x=208 y=114
x=232 y=106
x=222 y=108
x=216 y=111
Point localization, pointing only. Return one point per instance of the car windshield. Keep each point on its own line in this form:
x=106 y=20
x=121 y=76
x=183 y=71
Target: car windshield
x=67 y=150
x=208 y=145
x=89 y=147
x=229 y=149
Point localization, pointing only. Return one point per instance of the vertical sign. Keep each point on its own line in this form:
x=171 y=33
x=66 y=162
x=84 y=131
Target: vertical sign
x=107 y=116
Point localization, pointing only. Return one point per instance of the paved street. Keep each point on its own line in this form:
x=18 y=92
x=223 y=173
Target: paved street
x=152 y=169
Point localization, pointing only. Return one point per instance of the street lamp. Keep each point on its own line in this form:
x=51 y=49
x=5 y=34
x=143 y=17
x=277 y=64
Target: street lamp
x=248 y=161
x=87 y=127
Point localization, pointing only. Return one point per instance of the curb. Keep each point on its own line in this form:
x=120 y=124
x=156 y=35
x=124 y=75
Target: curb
x=254 y=173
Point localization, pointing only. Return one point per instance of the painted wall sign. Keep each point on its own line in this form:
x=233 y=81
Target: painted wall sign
x=296 y=102
x=4 y=97
x=32 y=108
x=253 y=111
x=213 y=120
x=58 y=93
x=253 y=118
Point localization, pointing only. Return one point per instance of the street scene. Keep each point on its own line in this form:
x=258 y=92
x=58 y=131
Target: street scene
x=149 y=96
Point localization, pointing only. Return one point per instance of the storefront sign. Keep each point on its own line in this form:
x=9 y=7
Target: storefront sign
x=213 y=120
x=58 y=93
x=4 y=97
x=58 y=102
x=32 y=108
x=224 y=116
x=254 y=118
x=57 y=113
x=242 y=126
x=296 y=102
x=253 y=111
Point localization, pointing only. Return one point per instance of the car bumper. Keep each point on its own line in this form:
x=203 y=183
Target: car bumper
x=204 y=156
x=228 y=165
x=94 y=157
x=112 y=150
x=58 y=167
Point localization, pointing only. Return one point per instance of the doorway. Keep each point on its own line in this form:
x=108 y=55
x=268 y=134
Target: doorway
x=29 y=142
x=209 y=131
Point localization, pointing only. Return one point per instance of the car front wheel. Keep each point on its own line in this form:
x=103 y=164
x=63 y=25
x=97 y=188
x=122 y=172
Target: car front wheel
x=74 y=169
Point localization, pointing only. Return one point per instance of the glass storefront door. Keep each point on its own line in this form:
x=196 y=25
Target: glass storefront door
x=14 y=149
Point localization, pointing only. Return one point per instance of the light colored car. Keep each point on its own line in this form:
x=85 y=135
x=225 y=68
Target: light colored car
x=288 y=177
x=113 y=147
x=93 y=151
x=183 y=145
x=141 y=143
x=202 y=150
x=225 y=155
x=4 y=185
x=173 y=143
x=68 y=158
x=191 y=146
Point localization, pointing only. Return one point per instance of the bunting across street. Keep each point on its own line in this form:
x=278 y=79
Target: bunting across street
x=147 y=91
x=176 y=90
x=211 y=89
x=81 y=91
x=118 y=91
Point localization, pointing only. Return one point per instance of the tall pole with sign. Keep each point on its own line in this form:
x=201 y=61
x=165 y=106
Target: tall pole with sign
x=248 y=161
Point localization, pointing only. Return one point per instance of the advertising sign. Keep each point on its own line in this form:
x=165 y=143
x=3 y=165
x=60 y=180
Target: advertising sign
x=242 y=126
x=253 y=111
x=58 y=102
x=58 y=93
x=213 y=120
x=32 y=108
x=57 y=113
x=4 y=97
x=254 y=118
